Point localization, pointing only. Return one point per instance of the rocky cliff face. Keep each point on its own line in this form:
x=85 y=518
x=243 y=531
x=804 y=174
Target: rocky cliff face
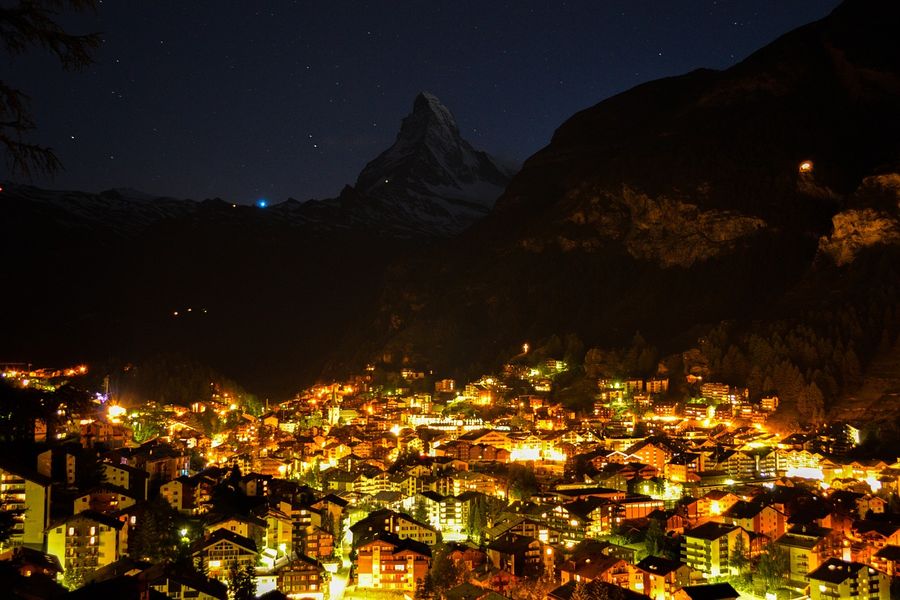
x=858 y=229
x=662 y=230
x=872 y=220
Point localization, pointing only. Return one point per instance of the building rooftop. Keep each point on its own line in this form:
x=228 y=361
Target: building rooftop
x=601 y=589
x=659 y=565
x=710 y=531
x=711 y=591
x=889 y=552
x=836 y=571
x=399 y=544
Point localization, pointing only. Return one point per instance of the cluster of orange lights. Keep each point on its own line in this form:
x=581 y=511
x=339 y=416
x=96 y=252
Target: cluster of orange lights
x=46 y=373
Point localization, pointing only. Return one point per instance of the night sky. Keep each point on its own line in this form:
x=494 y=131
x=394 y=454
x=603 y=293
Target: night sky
x=251 y=99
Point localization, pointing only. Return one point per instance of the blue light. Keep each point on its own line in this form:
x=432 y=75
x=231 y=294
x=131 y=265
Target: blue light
x=262 y=203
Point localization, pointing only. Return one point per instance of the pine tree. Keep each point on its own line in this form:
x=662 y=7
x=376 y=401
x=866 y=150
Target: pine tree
x=476 y=520
x=30 y=24
x=739 y=560
x=74 y=577
x=421 y=511
x=156 y=536
x=653 y=538
x=444 y=574
x=329 y=525
x=773 y=565
x=8 y=520
x=241 y=582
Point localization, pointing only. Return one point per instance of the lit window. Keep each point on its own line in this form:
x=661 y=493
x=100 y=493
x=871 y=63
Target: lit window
x=93 y=540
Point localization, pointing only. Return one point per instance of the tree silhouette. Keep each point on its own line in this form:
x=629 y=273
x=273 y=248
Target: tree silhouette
x=8 y=520
x=444 y=573
x=596 y=590
x=654 y=538
x=156 y=537
x=25 y=25
x=773 y=565
x=739 y=556
x=522 y=482
x=241 y=582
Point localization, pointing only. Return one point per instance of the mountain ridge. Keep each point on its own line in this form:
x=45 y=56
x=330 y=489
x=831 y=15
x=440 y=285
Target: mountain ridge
x=679 y=203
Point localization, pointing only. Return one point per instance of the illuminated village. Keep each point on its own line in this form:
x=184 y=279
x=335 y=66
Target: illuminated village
x=405 y=484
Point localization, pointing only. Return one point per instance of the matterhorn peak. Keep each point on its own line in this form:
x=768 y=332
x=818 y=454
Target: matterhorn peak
x=428 y=114
x=431 y=170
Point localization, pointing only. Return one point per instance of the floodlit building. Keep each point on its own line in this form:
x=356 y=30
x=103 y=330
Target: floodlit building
x=711 y=547
x=304 y=578
x=399 y=524
x=27 y=493
x=87 y=541
x=806 y=547
x=839 y=579
x=387 y=562
x=222 y=550
x=659 y=577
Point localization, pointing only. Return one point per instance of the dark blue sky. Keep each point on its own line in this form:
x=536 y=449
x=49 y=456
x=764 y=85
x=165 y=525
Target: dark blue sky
x=248 y=99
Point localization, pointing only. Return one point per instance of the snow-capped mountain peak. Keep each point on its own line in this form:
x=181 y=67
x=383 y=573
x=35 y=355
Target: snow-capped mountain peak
x=432 y=174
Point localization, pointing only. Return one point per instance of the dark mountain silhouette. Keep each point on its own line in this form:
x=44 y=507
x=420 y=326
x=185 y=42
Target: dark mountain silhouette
x=430 y=182
x=679 y=203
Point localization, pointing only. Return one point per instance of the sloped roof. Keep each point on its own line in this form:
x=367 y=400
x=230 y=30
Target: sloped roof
x=251 y=520
x=592 y=568
x=836 y=571
x=224 y=534
x=333 y=499
x=584 y=507
x=659 y=565
x=587 y=548
x=889 y=552
x=565 y=592
x=167 y=571
x=118 y=568
x=710 y=531
x=711 y=591
x=469 y=591
x=24 y=472
x=399 y=544
x=744 y=510
x=91 y=515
